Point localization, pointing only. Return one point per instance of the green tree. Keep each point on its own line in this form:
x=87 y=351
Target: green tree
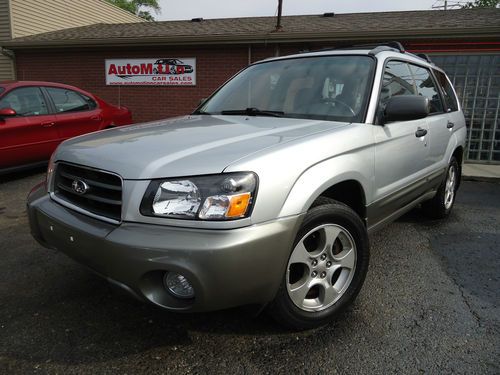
x=481 y=4
x=141 y=8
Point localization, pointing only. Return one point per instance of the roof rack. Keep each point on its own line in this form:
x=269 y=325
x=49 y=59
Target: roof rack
x=389 y=46
x=374 y=47
x=424 y=56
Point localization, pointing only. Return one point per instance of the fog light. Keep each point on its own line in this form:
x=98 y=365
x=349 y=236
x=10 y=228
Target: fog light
x=178 y=285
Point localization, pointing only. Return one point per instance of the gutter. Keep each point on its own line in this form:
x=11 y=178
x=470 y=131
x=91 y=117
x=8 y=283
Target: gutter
x=268 y=38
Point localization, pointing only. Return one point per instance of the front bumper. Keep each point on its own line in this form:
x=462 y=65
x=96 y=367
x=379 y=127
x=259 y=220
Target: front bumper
x=226 y=267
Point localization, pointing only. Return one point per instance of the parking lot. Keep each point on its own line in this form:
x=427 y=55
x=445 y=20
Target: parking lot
x=430 y=304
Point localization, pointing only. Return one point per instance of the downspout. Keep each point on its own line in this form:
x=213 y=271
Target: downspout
x=277 y=50
x=6 y=52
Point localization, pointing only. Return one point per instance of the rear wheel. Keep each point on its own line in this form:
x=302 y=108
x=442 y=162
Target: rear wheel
x=440 y=206
x=326 y=268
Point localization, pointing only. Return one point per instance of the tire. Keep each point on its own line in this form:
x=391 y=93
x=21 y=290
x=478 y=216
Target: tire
x=440 y=206
x=314 y=267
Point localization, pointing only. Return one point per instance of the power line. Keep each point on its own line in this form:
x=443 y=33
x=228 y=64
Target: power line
x=449 y=4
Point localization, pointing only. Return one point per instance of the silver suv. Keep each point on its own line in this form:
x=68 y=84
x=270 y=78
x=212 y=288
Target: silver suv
x=266 y=194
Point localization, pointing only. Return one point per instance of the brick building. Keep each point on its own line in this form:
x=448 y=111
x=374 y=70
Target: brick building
x=466 y=43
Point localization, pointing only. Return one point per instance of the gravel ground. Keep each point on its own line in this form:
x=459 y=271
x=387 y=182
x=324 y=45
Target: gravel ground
x=430 y=304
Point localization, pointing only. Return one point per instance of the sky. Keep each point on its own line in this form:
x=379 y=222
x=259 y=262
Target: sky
x=183 y=10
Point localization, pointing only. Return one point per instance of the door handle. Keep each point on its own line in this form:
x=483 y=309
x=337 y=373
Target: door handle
x=450 y=125
x=420 y=132
x=48 y=124
x=96 y=118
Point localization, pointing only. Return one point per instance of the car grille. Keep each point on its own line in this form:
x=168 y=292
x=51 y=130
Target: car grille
x=103 y=195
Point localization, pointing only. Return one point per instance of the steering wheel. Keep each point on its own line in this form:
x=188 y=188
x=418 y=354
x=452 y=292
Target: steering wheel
x=334 y=100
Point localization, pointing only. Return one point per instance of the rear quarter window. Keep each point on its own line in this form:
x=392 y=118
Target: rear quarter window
x=448 y=93
x=67 y=100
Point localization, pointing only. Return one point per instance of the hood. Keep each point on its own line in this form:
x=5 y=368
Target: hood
x=186 y=146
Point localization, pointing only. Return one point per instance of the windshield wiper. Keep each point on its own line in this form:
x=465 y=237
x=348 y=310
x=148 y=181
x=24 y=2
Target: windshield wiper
x=200 y=112
x=252 y=112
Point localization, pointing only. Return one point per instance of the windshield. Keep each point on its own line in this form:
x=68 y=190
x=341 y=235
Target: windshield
x=323 y=87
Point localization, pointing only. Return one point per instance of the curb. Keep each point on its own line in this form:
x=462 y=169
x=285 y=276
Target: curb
x=481 y=179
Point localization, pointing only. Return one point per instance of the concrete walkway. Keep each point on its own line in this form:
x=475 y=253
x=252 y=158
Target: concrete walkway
x=481 y=171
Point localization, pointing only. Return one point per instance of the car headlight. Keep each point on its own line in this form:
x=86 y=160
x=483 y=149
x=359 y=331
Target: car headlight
x=225 y=196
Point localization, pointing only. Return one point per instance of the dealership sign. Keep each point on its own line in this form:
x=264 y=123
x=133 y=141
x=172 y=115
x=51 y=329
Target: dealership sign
x=167 y=71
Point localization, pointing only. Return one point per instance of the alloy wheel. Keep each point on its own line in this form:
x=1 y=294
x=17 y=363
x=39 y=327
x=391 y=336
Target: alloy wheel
x=449 y=192
x=321 y=267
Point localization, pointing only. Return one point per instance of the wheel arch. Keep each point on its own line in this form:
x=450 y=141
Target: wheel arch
x=458 y=154
x=349 y=192
x=342 y=179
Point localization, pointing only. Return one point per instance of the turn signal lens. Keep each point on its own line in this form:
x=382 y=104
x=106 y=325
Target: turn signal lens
x=238 y=205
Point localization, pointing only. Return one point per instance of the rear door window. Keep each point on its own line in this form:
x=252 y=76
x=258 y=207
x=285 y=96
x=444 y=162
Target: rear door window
x=66 y=100
x=427 y=87
x=449 y=95
x=26 y=101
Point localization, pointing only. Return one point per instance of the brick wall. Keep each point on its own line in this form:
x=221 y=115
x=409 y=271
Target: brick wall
x=84 y=68
x=215 y=64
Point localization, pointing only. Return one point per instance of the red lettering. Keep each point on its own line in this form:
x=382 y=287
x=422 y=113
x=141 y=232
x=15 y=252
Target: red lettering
x=136 y=69
x=112 y=69
x=146 y=68
x=128 y=69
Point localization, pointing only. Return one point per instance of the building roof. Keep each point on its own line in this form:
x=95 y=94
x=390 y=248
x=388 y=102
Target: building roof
x=349 y=26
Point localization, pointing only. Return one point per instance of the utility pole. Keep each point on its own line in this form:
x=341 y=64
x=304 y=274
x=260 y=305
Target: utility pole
x=444 y=6
x=280 y=10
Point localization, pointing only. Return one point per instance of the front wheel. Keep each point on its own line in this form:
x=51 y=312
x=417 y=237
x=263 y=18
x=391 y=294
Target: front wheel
x=440 y=206
x=326 y=268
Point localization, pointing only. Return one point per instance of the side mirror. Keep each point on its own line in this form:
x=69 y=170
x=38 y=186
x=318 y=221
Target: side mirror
x=6 y=112
x=406 y=108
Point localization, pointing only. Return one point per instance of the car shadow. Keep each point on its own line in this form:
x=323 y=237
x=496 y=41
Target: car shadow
x=418 y=218
x=21 y=174
x=79 y=318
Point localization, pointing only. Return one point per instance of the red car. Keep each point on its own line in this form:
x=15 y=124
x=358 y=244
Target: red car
x=36 y=116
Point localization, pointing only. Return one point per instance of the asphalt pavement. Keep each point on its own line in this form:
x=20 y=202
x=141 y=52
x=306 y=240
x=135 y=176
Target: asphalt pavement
x=430 y=304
